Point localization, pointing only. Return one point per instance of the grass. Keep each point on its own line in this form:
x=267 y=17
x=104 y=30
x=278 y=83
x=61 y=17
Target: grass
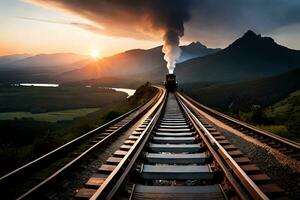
x=55 y=116
x=276 y=129
x=281 y=130
x=286 y=107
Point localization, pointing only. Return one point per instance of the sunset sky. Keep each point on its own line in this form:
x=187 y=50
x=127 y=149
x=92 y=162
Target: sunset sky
x=51 y=26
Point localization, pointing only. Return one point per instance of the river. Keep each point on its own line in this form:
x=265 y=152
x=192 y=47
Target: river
x=129 y=92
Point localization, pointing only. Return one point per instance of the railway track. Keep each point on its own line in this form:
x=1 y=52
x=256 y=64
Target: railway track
x=33 y=177
x=173 y=155
x=283 y=145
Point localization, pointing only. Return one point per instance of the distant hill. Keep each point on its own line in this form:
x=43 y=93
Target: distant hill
x=12 y=58
x=136 y=63
x=249 y=57
x=242 y=95
x=194 y=50
x=42 y=67
x=57 y=62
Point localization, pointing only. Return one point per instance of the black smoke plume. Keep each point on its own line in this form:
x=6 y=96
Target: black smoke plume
x=170 y=16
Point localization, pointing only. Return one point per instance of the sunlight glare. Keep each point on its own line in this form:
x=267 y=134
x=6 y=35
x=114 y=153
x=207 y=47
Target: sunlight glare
x=95 y=54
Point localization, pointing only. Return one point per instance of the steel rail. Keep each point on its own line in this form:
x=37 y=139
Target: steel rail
x=267 y=134
x=30 y=193
x=116 y=178
x=216 y=149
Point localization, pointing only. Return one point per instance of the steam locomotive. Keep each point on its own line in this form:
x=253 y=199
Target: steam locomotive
x=171 y=83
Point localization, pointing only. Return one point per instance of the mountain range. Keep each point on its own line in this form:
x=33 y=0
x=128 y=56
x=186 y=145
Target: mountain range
x=8 y=59
x=134 y=64
x=67 y=67
x=249 y=57
x=53 y=62
x=41 y=67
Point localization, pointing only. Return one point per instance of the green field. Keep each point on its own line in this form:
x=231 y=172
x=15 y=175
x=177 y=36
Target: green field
x=276 y=129
x=27 y=135
x=55 y=116
x=44 y=99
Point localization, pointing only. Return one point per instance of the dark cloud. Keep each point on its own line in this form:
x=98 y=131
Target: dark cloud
x=211 y=20
x=129 y=18
x=266 y=14
x=217 y=20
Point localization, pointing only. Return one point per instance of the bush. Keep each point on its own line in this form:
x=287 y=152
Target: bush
x=293 y=125
x=111 y=115
x=255 y=116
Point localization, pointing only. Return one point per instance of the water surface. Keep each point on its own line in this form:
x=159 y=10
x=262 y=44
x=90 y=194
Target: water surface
x=130 y=92
x=38 y=84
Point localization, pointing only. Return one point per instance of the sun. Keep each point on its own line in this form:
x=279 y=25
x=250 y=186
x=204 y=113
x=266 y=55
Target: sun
x=95 y=54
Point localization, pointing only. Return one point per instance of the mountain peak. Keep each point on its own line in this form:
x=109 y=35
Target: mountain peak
x=251 y=40
x=197 y=44
x=251 y=34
